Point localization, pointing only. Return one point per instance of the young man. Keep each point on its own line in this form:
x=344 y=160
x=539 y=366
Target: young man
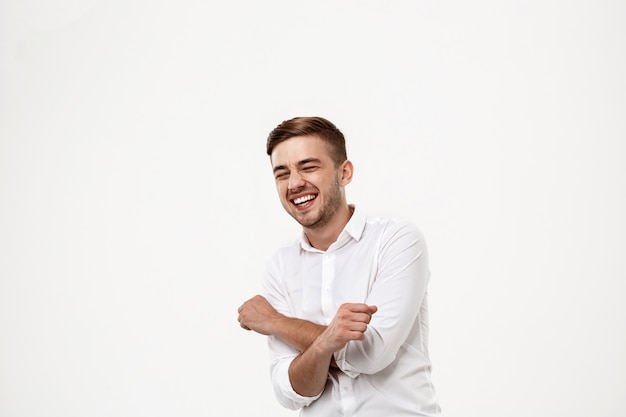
x=345 y=306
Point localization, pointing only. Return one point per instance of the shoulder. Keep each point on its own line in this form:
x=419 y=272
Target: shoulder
x=393 y=236
x=393 y=228
x=285 y=252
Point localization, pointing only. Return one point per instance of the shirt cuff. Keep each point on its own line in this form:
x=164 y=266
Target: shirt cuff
x=342 y=362
x=283 y=384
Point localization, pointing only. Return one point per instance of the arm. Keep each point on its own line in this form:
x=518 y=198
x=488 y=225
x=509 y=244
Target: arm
x=272 y=315
x=259 y=315
x=309 y=370
x=399 y=288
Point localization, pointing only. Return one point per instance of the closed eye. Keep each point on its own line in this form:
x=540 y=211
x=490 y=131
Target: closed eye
x=281 y=174
x=309 y=164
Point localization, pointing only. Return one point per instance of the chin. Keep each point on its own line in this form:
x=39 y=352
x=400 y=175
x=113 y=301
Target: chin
x=306 y=221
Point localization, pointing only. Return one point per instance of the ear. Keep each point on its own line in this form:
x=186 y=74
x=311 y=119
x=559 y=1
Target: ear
x=347 y=169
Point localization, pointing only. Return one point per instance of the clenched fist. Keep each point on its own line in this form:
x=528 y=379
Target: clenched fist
x=258 y=314
x=350 y=323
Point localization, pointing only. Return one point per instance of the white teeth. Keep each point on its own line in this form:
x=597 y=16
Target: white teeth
x=303 y=199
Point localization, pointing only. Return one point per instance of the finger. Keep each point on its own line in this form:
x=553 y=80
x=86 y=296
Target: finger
x=359 y=327
x=356 y=335
x=361 y=318
x=357 y=308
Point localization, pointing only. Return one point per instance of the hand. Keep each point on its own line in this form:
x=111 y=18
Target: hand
x=350 y=323
x=258 y=314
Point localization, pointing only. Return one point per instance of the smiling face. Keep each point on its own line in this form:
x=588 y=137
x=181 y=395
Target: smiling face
x=309 y=185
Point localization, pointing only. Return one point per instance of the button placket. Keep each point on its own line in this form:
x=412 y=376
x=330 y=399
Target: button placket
x=328 y=276
x=348 y=401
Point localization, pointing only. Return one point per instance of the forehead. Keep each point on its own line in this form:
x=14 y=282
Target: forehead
x=299 y=148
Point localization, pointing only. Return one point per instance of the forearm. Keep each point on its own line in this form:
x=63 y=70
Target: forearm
x=259 y=315
x=297 y=333
x=309 y=371
x=300 y=378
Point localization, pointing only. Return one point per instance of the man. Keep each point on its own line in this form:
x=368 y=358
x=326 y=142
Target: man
x=345 y=307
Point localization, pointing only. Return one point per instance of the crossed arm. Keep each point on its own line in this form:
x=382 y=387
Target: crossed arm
x=309 y=370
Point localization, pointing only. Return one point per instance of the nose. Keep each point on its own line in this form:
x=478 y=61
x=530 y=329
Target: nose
x=295 y=181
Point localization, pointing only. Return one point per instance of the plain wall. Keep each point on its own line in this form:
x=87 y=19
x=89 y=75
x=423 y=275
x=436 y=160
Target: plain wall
x=137 y=206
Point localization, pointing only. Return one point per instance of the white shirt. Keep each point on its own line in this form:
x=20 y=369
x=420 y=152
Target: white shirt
x=377 y=261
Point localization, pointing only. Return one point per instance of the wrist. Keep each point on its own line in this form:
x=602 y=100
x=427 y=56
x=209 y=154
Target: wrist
x=322 y=346
x=321 y=353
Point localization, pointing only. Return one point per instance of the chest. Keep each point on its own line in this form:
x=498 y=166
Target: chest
x=318 y=283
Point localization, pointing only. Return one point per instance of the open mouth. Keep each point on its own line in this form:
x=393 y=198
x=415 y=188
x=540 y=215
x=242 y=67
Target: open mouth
x=301 y=201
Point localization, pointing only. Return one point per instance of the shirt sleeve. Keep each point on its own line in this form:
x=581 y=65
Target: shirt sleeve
x=281 y=354
x=398 y=291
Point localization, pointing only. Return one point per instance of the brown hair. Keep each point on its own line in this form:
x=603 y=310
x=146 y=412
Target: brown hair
x=310 y=126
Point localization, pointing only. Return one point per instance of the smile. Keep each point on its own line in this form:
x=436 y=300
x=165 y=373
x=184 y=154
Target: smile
x=301 y=200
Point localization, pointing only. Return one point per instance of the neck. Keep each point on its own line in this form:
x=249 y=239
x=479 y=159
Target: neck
x=323 y=237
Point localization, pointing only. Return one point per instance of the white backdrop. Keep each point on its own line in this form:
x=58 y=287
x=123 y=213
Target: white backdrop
x=137 y=206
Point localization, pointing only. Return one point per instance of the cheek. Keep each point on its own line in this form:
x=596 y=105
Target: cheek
x=281 y=188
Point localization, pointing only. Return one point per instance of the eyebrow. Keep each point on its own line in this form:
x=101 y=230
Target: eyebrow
x=299 y=163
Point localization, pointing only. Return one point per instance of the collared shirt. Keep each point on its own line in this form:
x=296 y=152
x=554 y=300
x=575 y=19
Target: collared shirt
x=378 y=261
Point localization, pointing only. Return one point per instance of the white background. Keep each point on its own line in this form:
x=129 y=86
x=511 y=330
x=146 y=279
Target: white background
x=137 y=206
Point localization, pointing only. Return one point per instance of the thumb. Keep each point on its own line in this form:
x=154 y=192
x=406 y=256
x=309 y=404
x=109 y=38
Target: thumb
x=373 y=309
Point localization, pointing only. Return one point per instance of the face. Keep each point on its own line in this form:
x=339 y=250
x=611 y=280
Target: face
x=309 y=185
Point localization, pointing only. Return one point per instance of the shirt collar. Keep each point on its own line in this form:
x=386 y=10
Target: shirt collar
x=352 y=230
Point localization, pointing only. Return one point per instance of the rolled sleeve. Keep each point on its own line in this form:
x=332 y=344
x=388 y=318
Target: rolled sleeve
x=398 y=291
x=281 y=357
x=281 y=354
